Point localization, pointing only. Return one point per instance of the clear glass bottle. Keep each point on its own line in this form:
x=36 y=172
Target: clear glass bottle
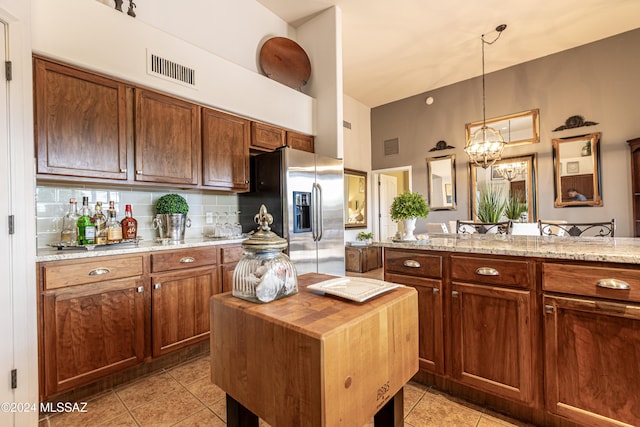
x=86 y=229
x=129 y=224
x=114 y=228
x=100 y=222
x=264 y=273
x=69 y=234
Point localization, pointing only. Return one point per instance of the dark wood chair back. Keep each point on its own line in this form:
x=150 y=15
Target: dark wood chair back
x=577 y=229
x=471 y=227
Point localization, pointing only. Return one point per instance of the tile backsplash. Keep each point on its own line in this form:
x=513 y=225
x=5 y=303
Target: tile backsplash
x=52 y=203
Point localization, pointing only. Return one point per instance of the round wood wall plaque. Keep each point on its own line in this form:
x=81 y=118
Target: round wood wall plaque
x=284 y=61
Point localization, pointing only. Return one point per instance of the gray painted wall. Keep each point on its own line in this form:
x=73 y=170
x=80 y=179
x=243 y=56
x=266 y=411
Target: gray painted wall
x=599 y=81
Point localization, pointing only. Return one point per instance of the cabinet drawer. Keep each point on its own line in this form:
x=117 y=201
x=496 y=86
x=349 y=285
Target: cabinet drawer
x=59 y=275
x=491 y=271
x=186 y=258
x=230 y=254
x=413 y=263
x=590 y=281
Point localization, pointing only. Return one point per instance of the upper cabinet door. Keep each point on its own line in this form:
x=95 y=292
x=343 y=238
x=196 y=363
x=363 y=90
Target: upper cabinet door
x=266 y=137
x=80 y=123
x=225 y=150
x=300 y=141
x=167 y=139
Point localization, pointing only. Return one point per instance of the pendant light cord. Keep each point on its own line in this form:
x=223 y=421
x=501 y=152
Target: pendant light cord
x=499 y=29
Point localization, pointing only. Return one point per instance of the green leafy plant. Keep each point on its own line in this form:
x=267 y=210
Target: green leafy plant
x=409 y=205
x=363 y=235
x=491 y=204
x=514 y=206
x=172 y=204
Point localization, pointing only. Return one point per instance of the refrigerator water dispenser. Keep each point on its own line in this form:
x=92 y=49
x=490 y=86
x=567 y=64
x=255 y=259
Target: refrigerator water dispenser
x=301 y=212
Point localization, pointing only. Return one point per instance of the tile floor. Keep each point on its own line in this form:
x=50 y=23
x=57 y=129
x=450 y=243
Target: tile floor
x=184 y=396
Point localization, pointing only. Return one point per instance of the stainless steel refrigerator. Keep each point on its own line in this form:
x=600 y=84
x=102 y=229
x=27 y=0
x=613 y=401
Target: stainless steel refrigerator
x=305 y=194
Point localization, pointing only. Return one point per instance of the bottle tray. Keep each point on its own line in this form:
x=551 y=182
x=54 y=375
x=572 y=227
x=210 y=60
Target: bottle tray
x=64 y=246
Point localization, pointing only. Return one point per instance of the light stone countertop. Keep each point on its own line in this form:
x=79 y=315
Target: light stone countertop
x=53 y=254
x=607 y=249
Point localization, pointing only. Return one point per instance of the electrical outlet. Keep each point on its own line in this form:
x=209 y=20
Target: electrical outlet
x=208 y=218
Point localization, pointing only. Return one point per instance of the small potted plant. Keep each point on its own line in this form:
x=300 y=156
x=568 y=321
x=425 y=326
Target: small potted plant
x=408 y=207
x=365 y=236
x=171 y=217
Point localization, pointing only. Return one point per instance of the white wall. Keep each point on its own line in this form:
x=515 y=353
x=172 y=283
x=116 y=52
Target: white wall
x=21 y=344
x=357 y=152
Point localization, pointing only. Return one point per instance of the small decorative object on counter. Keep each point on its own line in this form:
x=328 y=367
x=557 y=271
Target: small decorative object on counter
x=100 y=222
x=129 y=224
x=69 y=234
x=408 y=207
x=114 y=229
x=86 y=229
x=171 y=217
x=264 y=273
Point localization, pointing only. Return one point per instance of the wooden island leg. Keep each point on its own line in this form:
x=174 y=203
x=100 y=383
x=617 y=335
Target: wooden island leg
x=392 y=413
x=238 y=415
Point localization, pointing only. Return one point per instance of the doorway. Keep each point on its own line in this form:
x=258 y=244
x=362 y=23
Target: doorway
x=390 y=183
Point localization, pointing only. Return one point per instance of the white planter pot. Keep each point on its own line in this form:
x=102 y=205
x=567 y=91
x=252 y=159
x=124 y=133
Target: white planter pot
x=409 y=227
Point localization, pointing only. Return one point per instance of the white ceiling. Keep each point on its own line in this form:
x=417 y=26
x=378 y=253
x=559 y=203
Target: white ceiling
x=396 y=49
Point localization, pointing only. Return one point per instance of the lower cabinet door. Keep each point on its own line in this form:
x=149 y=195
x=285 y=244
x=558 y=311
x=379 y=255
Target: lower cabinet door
x=227 y=276
x=592 y=361
x=180 y=308
x=491 y=340
x=91 y=331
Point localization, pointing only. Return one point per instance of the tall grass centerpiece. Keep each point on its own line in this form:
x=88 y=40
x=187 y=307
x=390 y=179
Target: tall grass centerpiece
x=491 y=204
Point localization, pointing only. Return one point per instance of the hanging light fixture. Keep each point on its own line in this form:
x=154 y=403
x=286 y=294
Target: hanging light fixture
x=510 y=171
x=485 y=145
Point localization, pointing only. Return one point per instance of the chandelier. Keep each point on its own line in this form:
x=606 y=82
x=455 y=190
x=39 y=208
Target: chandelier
x=511 y=171
x=485 y=145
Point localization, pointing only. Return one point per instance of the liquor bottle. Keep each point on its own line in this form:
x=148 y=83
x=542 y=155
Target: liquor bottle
x=114 y=229
x=86 y=229
x=100 y=222
x=69 y=234
x=129 y=225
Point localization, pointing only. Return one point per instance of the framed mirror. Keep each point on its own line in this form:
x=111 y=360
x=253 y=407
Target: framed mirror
x=355 y=199
x=510 y=179
x=516 y=129
x=576 y=162
x=441 y=181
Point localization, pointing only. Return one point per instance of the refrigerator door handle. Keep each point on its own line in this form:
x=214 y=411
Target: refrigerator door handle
x=314 y=218
x=319 y=212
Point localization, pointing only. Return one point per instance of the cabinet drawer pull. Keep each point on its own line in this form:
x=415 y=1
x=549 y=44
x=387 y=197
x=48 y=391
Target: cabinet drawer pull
x=123 y=170
x=454 y=294
x=140 y=289
x=139 y=172
x=157 y=285
x=435 y=291
x=613 y=284
x=187 y=260
x=487 y=271
x=99 y=271
x=548 y=309
x=411 y=263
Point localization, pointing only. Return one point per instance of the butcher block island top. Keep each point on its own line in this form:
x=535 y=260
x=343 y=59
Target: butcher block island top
x=313 y=359
x=605 y=249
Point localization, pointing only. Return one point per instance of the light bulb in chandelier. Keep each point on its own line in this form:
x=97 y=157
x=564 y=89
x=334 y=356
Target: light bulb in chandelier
x=511 y=171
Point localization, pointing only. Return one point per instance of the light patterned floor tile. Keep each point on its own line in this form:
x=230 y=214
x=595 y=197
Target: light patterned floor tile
x=98 y=410
x=192 y=371
x=150 y=388
x=167 y=410
x=436 y=410
x=203 y=418
x=206 y=391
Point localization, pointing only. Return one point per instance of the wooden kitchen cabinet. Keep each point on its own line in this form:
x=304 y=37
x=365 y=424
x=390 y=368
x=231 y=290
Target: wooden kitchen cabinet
x=361 y=259
x=492 y=332
x=167 y=139
x=80 y=123
x=267 y=137
x=634 y=147
x=229 y=257
x=422 y=271
x=592 y=343
x=225 y=150
x=182 y=282
x=300 y=141
x=91 y=331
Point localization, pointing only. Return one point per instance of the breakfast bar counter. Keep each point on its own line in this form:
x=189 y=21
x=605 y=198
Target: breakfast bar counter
x=315 y=360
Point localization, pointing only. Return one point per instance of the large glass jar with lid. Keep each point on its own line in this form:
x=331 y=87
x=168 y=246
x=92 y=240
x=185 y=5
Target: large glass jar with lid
x=264 y=273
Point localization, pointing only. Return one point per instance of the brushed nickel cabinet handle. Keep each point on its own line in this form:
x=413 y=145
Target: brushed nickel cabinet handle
x=187 y=260
x=613 y=284
x=123 y=170
x=435 y=291
x=99 y=271
x=487 y=271
x=548 y=309
x=157 y=285
x=140 y=289
x=455 y=294
x=139 y=172
x=411 y=263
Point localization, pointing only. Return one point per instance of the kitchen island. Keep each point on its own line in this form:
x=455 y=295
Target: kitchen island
x=546 y=329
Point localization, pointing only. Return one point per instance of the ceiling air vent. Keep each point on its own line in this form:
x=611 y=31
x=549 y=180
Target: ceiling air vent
x=170 y=70
x=391 y=147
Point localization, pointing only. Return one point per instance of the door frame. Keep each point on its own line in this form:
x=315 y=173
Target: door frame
x=375 y=174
